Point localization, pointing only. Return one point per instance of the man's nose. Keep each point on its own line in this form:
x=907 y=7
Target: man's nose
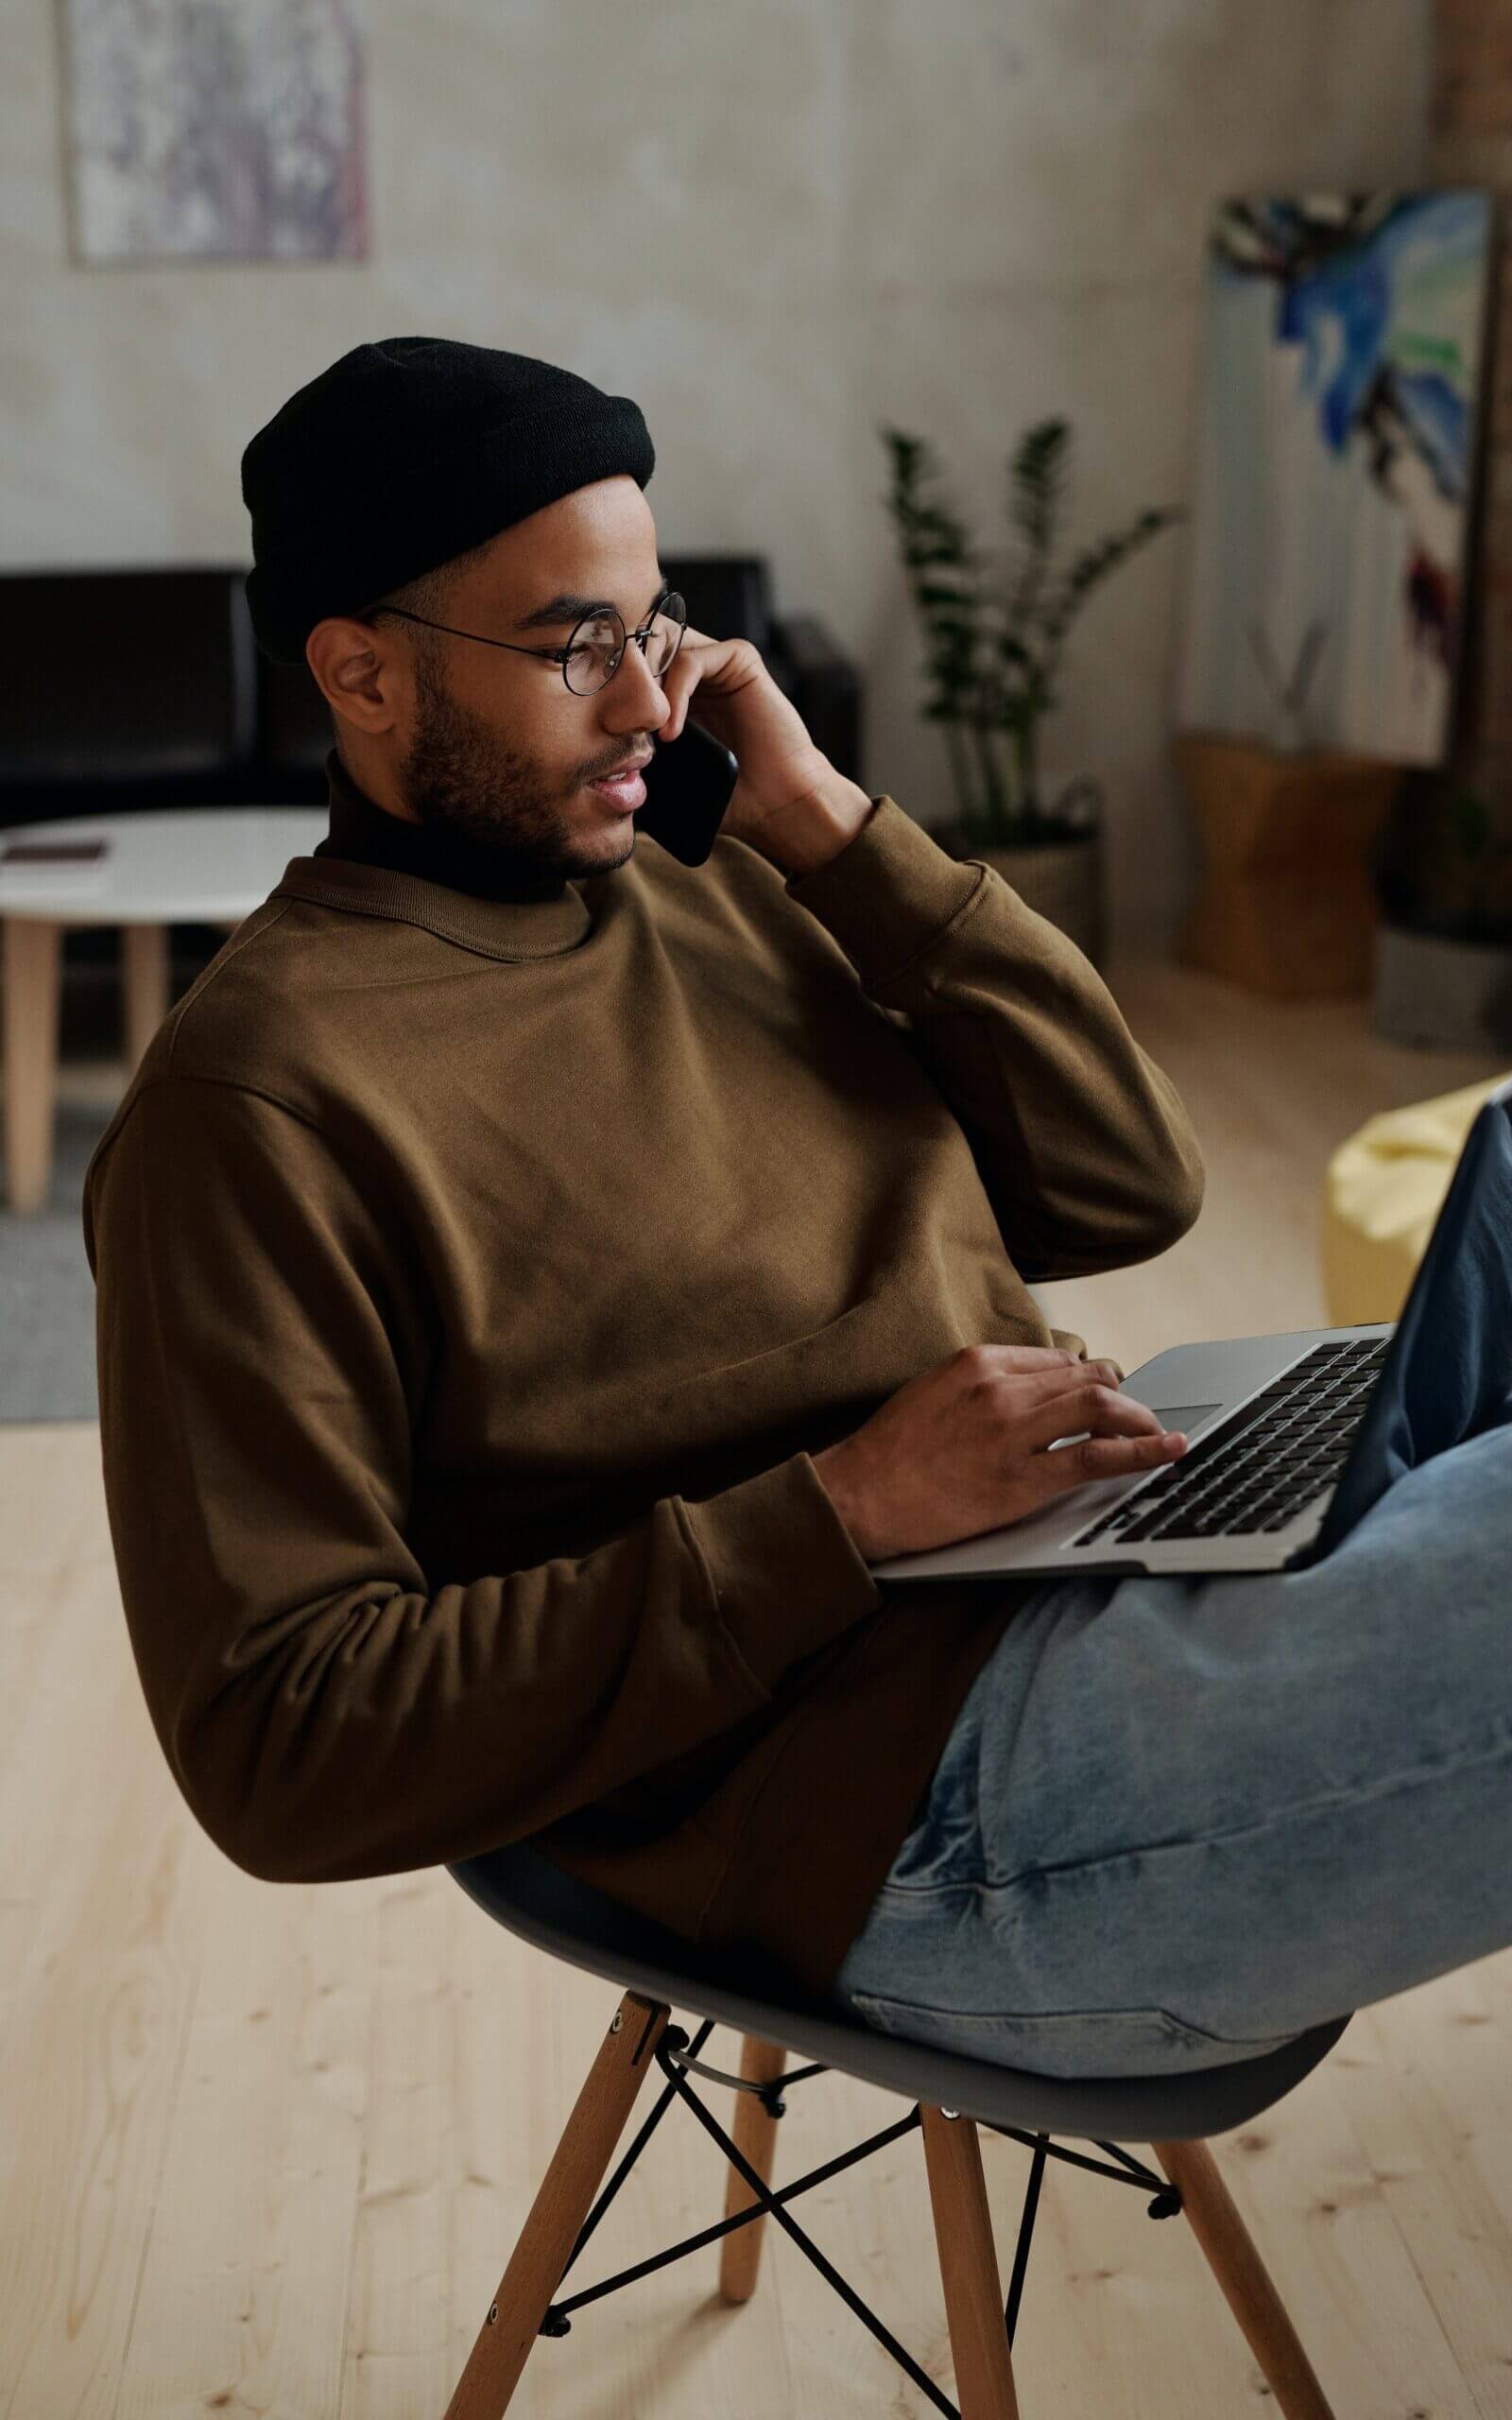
x=635 y=697
x=637 y=664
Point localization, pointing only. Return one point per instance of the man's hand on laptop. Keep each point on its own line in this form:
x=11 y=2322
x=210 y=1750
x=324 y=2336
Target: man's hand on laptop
x=965 y=1446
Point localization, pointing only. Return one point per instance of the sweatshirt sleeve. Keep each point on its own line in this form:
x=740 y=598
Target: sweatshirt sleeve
x=1087 y=1154
x=329 y=1709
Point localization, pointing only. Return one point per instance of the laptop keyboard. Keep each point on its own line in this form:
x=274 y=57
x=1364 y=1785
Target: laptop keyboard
x=1265 y=1464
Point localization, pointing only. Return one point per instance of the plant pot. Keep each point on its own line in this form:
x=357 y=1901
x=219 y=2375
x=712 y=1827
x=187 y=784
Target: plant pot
x=1286 y=901
x=1439 y=994
x=1061 y=880
x=1438 y=869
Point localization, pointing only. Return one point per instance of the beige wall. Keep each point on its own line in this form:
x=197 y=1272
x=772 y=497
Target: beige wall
x=810 y=216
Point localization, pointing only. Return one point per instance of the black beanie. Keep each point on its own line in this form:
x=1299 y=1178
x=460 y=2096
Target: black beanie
x=404 y=454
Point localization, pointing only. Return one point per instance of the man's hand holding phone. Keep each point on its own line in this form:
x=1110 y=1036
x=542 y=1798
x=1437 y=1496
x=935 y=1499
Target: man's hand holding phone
x=965 y=1446
x=788 y=801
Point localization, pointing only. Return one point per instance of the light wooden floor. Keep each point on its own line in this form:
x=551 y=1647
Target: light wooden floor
x=264 y=2150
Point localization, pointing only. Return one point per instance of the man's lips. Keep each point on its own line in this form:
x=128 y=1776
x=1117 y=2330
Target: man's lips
x=626 y=789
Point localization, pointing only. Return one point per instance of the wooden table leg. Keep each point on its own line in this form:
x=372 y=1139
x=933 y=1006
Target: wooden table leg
x=144 y=980
x=33 y=955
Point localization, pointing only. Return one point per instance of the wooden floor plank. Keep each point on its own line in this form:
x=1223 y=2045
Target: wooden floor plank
x=397 y=2352
x=1428 y=2093
x=93 y=2052
x=244 y=2293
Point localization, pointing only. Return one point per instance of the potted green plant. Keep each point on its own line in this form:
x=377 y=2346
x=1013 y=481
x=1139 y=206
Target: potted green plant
x=994 y=657
x=1442 y=976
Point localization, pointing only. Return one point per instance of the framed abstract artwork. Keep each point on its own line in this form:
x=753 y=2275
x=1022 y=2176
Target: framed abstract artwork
x=1337 y=445
x=214 y=130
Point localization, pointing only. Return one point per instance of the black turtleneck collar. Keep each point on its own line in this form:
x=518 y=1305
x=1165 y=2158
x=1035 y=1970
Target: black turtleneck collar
x=368 y=834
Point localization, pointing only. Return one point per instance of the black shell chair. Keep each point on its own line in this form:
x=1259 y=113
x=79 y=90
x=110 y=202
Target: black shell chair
x=655 y=1971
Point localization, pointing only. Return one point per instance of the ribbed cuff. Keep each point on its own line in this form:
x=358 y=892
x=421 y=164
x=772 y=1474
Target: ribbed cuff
x=788 y=1573
x=888 y=893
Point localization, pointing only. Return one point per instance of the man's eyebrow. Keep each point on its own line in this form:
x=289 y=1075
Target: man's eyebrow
x=568 y=607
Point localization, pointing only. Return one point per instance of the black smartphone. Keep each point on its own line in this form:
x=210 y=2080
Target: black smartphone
x=689 y=783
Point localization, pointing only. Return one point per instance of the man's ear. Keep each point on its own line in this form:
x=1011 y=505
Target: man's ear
x=341 y=657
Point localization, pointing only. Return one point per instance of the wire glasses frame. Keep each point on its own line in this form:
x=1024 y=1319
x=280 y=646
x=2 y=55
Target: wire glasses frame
x=600 y=655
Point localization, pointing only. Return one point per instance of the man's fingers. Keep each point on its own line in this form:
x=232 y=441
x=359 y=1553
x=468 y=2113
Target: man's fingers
x=1033 y=1356
x=1042 y=1361
x=1092 y=1406
x=1104 y=1458
x=1060 y=1402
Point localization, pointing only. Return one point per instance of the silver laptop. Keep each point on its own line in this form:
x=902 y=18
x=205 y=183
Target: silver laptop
x=1290 y=1438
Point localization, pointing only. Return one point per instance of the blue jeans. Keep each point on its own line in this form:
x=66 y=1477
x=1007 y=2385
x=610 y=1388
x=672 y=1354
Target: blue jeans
x=1181 y=1820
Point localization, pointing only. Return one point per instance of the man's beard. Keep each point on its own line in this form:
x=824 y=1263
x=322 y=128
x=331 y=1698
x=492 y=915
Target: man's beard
x=484 y=803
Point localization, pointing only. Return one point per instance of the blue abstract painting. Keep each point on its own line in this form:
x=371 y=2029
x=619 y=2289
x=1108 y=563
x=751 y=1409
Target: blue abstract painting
x=1336 y=455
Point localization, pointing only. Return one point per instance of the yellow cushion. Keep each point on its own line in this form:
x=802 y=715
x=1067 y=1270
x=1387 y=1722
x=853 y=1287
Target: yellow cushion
x=1381 y=1195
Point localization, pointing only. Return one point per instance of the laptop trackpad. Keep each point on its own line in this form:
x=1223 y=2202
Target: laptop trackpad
x=1184 y=1416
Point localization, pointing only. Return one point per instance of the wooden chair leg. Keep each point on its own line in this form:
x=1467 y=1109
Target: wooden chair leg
x=1232 y=2257
x=755 y=2136
x=969 y=2268
x=504 y=2343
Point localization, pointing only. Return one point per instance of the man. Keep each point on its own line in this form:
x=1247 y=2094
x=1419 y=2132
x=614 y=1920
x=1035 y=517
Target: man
x=535 y=1275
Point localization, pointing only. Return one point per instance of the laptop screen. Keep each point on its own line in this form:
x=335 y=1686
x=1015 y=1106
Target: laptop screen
x=1447 y=1369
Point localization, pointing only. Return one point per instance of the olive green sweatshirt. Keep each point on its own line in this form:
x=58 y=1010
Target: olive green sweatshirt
x=476 y=1277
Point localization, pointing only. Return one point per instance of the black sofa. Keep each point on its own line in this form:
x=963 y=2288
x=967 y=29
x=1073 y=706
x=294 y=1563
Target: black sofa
x=135 y=688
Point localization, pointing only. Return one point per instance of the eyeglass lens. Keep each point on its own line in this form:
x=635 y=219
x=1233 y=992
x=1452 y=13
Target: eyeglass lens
x=595 y=648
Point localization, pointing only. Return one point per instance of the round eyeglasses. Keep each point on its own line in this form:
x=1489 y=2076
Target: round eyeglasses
x=593 y=655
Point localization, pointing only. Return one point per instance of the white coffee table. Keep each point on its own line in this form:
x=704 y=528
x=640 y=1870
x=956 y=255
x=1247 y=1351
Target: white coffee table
x=183 y=866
